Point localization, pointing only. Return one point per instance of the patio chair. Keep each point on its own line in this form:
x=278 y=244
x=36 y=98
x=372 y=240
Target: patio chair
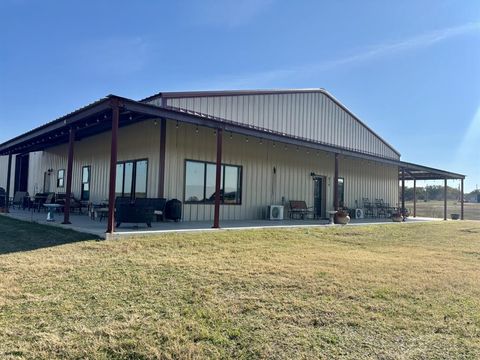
x=42 y=198
x=299 y=209
x=158 y=205
x=19 y=199
x=61 y=198
x=380 y=206
x=367 y=208
x=137 y=211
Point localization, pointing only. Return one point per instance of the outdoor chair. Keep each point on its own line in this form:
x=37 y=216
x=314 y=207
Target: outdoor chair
x=367 y=208
x=19 y=199
x=158 y=205
x=380 y=207
x=40 y=199
x=61 y=198
x=136 y=211
x=299 y=209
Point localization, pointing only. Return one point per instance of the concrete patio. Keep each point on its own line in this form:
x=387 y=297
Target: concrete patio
x=83 y=223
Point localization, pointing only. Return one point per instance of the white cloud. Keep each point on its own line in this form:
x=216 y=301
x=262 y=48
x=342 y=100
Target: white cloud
x=377 y=51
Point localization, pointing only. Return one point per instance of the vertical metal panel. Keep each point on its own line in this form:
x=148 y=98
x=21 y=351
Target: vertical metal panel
x=260 y=186
x=297 y=114
x=294 y=182
x=135 y=142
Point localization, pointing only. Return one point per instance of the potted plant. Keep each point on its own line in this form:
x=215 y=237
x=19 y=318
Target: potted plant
x=342 y=217
x=455 y=216
x=397 y=216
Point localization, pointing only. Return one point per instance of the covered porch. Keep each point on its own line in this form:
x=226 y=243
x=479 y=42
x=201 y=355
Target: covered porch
x=414 y=173
x=84 y=224
x=112 y=113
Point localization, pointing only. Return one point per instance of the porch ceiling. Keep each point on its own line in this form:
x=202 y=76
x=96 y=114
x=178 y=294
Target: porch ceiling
x=420 y=172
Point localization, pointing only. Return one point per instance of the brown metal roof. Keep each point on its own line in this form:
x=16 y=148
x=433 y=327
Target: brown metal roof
x=95 y=118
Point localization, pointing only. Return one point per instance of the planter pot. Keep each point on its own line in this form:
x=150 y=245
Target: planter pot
x=342 y=220
x=397 y=218
x=455 y=216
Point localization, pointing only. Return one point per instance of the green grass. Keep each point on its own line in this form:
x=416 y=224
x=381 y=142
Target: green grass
x=397 y=291
x=435 y=209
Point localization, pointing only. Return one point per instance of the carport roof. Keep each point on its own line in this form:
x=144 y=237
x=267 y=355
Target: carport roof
x=95 y=118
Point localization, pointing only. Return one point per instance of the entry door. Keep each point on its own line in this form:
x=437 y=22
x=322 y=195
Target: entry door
x=319 y=197
x=21 y=173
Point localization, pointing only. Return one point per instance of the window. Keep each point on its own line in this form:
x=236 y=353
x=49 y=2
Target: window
x=85 y=192
x=200 y=183
x=132 y=178
x=341 y=192
x=61 y=178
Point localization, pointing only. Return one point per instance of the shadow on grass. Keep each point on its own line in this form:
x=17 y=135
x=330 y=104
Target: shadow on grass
x=18 y=236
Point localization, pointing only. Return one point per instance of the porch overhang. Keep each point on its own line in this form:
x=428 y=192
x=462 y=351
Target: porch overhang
x=420 y=172
x=96 y=118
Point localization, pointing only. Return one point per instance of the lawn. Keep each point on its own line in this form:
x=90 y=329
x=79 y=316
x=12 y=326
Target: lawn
x=435 y=209
x=397 y=291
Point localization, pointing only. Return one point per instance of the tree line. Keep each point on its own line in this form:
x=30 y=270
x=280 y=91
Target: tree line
x=435 y=192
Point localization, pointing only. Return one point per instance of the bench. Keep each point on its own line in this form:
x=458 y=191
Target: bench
x=299 y=209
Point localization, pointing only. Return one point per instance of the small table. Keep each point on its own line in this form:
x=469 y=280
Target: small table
x=99 y=212
x=331 y=215
x=50 y=207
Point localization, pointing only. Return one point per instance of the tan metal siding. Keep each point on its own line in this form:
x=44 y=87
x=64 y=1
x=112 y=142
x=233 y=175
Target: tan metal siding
x=135 y=142
x=368 y=179
x=312 y=116
x=3 y=173
x=261 y=186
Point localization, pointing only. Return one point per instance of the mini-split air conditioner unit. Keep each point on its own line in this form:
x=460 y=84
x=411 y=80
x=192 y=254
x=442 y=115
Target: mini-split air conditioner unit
x=275 y=212
x=359 y=214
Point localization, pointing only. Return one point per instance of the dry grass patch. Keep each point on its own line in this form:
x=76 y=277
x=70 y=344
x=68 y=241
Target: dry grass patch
x=400 y=291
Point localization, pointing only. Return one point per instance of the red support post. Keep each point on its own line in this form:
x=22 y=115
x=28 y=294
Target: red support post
x=414 y=198
x=9 y=175
x=161 y=165
x=445 y=200
x=66 y=210
x=335 y=185
x=113 y=167
x=218 y=178
x=461 y=199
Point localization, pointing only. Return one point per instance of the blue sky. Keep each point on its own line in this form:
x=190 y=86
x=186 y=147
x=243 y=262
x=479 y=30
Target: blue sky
x=409 y=69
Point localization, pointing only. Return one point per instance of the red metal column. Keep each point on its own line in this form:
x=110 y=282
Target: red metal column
x=414 y=198
x=9 y=174
x=445 y=200
x=161 y=165
x=218 y=178
x=335 y=185
x=113 y=168
x=66 y=210
x=403 y=190
x=461 y=199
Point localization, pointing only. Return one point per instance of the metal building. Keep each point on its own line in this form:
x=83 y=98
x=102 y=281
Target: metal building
x=224 y=154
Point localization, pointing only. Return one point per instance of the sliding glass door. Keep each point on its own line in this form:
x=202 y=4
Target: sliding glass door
x=132 y=178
